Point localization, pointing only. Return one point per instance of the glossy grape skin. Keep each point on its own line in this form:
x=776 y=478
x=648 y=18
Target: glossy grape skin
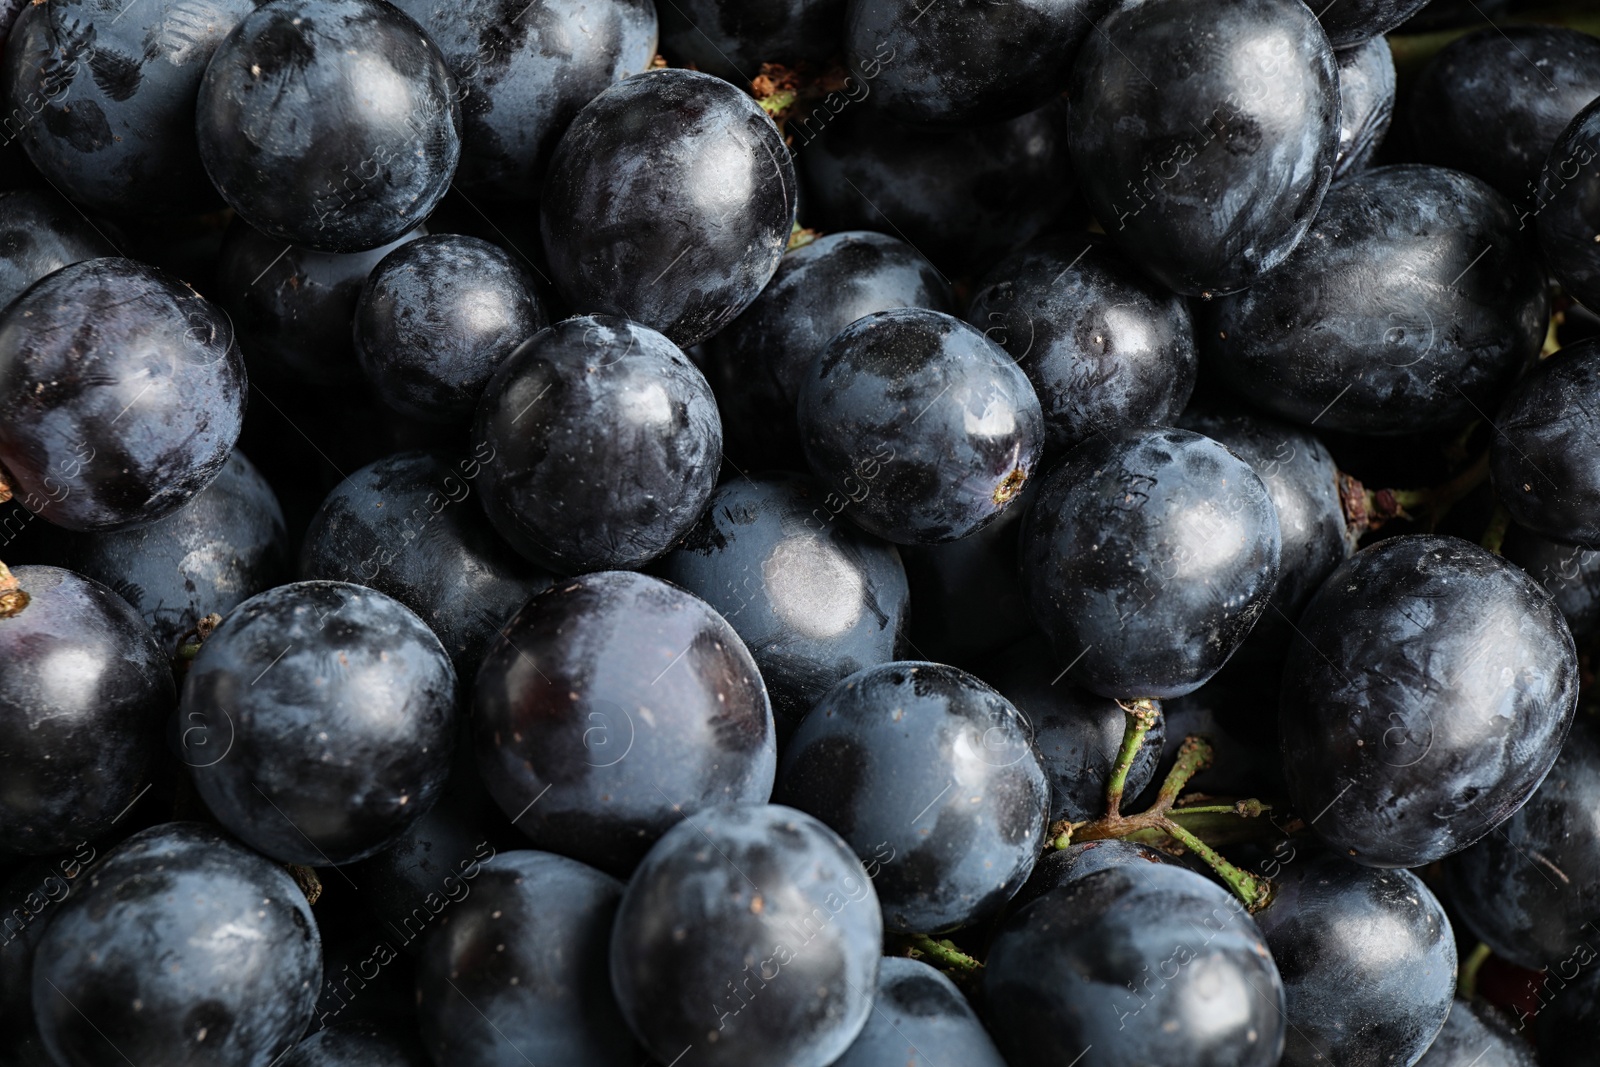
x=755 y=923
x=1077 y=734
x=757 y=364
x=1530 y=890
x=1426 y=695
x=84 y=694
x=607 y=443
x=1494 y=102
x=924 y=428
x=522 y=75
x=109 y=92
x=1567 y=206
x=931 y=774
x=732 y=38
x=1544 y=455
x=317 y=721
x=93 y=342
x=405 y=527
x=293 y=307
x=1390 y=317
x=1366 y=103
x=517 y=968
x=40 y=233
x=1079 y=860
x=218 y=550
x=1350 y=22
x=1247 y=122
x=182 y=947
x=1475 y=1036
x=963 y=198
x=30 y=894
x=1302 y=480
x=919 y=1019
x=354 y=135
x=966 y=63
x=1089 y=966
x=814 y=600
x=356 y=1044
x=613 y=706
x=1571 y=575
x=669 y=201
x=1103 y=345
x=1367 y=959
x=1147 y=558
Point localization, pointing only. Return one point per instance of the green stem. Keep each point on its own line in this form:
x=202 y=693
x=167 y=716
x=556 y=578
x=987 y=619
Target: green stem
x=1194 y=757
x=1495 y=534
x=1467 y=980
x=1141 y=717
x=944 y=953
x=1254 y=892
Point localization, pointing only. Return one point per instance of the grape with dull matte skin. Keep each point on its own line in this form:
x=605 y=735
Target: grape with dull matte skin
x=919 y=1019
x=83 y=696
x=436 y=317
x=1426 y=695
x=223 y=547
x=1103 y=346
x=1143 y=964
x=516 y=969
x=1366 y=103
x=924 y=429
x=40 y=233
x=1147 y=558
x=1567 y=204
x=318 y=721
x=182 y=947
x=733 y=38
x=1367 y=958
x=332 y=124
x=111 y=87
x=814 y=600
x=1494 y=102
x=522 y=75
x=669 y=201
x=1544 y=458
x=1411 y=305
x=967 y=63
x=613 y=706
x=757 y=364
x=1475 y=1035
x=1530 y=890
x=1206 y=162
x=123 y=393
x=930 y=774
x=1568 y=573
x=755 y=923
x=606 y=444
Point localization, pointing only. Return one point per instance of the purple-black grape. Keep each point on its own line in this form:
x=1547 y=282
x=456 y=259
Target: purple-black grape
x=1544 y=458
x=1571 y=575
x=919 y=1019
x=1475 y=1035
x=1350 y=22
x=1366 y=103
x=39 y=234
x=361 y=1043
x=733 y=38
x=1566 y=204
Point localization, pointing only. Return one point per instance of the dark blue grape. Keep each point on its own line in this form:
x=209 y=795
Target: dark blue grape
x=1568 y=1012
x=733 y=38
x=1368 y=962
x=405 y=527
x=123 y=393
x=1350 y=22
x=1474 y=1035
x=182 y=948
x=758 y=363
x=1566 y=203
x=356 y=1044
x=1147 y=558
x=1428 y=690
x=317 y=721
x=111 y=88
x=516 y=971
x=1077 y=861
x=749 y=937
x=1134 y=964
x=930 y=775
x=606 y=442
x=218 y=550
x=1205 y=134
x=613 y=706
x=522 y=74
x=39 y=234
x=1103 y=346
x=919 y=1019
x=923 y=428
x=331 y=124
x=1410 y=306
x=669 y=201
x=1571 y=575
x=1366 y=103
x=814 y=600
x=82 y=699
x=30 y=896
x=1544 y=458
